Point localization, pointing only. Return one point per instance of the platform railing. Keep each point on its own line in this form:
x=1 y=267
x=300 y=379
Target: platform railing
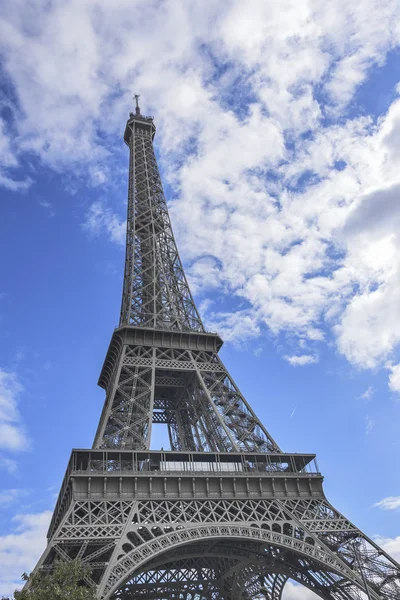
x=108 y=462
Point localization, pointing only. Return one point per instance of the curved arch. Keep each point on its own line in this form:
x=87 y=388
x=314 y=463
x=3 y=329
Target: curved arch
x=248 y=560
x=138 y=557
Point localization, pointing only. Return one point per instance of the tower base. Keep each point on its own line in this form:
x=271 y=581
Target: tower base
x=164 y=525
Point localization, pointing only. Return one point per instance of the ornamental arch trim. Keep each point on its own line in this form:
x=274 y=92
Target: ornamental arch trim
x=276 y=574
x=127 y=565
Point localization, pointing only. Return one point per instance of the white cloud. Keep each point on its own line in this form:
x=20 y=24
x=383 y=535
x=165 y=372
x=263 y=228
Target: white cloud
x=9 y=464
x=261 y=209
x=300 y=361
x=15 y=185
x=234 y=327
x=389 y=503
x=294 y=591
x=369 y=424
x=390 y=545
x=8 y=160
x=101 y=219
x=203 y=274
x=394 y=377
x=367 y=395
x=21 y=549
x=8 y=497
x=12 y=434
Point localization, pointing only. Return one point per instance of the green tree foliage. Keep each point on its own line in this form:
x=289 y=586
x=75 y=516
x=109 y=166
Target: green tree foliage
x=65 y=582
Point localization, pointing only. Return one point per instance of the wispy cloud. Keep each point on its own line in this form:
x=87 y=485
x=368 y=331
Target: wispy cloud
x=302 y=360
x=21 y=548
x=12 y=432
x=9 y=464
x=48 y=206
x=389 y=503
x=369 y=424
x=367 y=395
x=9 y=160
x=100 y=219
x=11 y=496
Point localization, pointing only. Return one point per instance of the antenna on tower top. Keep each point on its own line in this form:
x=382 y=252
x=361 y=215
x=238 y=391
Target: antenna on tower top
x=136 y=97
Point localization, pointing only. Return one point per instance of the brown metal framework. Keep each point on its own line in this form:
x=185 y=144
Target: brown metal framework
x=224 y=514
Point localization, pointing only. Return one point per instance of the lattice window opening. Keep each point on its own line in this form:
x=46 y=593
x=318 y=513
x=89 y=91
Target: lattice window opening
x=120 y=422
x=173 y=354
x=216 y=512
x=202 y=356
x=314 y=510
x=125 y=403
x=139 y=351
x=115 y=439
x=133 y=376
x=100 y=512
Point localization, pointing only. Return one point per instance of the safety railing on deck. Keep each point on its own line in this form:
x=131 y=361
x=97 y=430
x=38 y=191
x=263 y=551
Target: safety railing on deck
x=152 y=461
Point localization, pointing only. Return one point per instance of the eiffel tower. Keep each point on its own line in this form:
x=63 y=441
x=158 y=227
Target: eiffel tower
x=225 y=513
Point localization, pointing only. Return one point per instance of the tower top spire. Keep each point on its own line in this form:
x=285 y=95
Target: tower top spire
x=137 y=121
x=136 y=97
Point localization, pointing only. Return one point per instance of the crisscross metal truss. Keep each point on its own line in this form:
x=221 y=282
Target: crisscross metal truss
x=209 y=573
x=202 y=407
x=156 y=293
x=222 y=548
x=188 y=390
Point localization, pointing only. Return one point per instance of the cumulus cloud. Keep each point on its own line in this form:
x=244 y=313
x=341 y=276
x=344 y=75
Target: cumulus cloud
x=21 y=549
x=389 y=503
x=234 y=327
x=390 y=545
x=394 y=377
x=300 y=361
x=280 y=198
x=294 y=591
x=12 y=434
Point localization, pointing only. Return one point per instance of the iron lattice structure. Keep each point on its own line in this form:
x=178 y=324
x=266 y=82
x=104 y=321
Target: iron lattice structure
x=224 y=514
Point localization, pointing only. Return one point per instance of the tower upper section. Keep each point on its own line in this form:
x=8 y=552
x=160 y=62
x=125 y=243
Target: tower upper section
x=155 y=292
x=137 y=123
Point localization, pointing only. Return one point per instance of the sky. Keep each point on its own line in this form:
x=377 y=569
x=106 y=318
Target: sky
x=278 y=141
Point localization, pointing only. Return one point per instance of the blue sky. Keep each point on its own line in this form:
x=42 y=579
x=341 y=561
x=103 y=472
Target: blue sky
x=278 y=134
